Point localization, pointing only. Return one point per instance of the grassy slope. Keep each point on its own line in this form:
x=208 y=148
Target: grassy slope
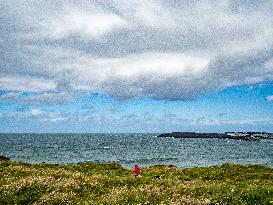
x=88 y=183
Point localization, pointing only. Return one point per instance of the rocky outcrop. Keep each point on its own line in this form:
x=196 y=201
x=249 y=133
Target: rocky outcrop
x=244 y=136
x=192 y=135
x=2 y=158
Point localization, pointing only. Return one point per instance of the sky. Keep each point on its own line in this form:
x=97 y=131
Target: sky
x=136 y=66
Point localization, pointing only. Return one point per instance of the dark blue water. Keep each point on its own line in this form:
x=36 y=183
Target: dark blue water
x=128 y=149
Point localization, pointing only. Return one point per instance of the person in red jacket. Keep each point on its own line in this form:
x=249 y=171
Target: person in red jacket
x=137 y=171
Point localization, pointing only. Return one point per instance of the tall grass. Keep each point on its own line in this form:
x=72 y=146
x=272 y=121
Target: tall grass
x=90 y=183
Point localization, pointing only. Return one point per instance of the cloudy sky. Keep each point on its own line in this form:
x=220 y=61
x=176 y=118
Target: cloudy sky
x=136 y=66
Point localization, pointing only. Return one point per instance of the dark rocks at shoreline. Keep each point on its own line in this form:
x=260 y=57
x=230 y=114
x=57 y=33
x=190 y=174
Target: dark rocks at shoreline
x=3 y=158
x=244 y=136
x=192 y=135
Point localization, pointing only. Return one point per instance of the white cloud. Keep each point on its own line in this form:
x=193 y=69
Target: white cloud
x=45 y=115
x=269 y=98
x=141 y=13
x=249 y=121
x=10 y=96
x=162 y=64
x=269 y=65
x=151 y=14
x=236 y=122
x=138 y=75
x=48 y=98
x=142 y=65
x=43 y=97
x=134 y=48
x=26 y=84
x=205 y=121
x=35 y=112
x=81 y=23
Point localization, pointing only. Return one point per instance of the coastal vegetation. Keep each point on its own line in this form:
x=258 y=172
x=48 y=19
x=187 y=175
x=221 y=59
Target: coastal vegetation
x=91 y=183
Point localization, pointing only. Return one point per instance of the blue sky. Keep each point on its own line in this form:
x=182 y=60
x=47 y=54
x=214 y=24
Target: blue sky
x=136 y=66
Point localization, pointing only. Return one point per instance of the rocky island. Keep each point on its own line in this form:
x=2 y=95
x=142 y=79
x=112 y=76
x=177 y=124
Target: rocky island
x=245 y=136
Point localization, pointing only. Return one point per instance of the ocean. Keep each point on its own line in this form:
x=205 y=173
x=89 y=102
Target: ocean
x=131 y=149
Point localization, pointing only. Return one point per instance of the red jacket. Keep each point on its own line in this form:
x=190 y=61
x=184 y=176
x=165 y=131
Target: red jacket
x=137 y=170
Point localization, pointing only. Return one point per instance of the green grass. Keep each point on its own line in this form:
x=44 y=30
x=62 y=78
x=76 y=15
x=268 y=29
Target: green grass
x=91 y=183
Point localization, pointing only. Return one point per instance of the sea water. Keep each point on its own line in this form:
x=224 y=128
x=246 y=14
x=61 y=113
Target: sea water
x=129 y=149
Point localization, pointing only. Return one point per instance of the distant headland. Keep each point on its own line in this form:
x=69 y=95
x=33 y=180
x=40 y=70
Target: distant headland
x=244 y=136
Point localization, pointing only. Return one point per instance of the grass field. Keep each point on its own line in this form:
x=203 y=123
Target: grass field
x=90 y=183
